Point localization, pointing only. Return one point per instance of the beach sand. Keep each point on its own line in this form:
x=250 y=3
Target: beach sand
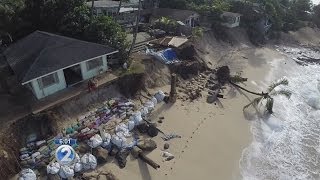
x=213 y=136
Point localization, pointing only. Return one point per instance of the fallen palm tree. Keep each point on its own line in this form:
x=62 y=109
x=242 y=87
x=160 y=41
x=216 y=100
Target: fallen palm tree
x=223 y=77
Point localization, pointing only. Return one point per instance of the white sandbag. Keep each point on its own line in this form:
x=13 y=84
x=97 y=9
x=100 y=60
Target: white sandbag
x=144 y=111
x=119 y=140
x=39 y=143
x=85 y=130
x=66 y=172
x=53 y=168
x=77 y=167
x=27 y=174
x=130 y=125
x=149 y=105
x=160 y=96
x=34 y=155
x=129 y=103
x=136 y=117
x=154 y=100
x=95 y=141
x=107 y=140
x=77 y=158
x=24 y=156
x=88 y=161
x=121 y=128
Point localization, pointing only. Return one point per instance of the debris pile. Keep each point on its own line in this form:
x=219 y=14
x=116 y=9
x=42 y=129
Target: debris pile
x=193 y=89
x=105 y=130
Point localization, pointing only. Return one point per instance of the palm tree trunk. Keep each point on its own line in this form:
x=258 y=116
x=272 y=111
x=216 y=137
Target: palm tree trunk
x=92 y=7
x=119 y=7
x=136 y=29
x=258 y=94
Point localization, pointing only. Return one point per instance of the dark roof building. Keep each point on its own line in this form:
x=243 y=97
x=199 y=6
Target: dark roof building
x=41 y=53
x=176 y=14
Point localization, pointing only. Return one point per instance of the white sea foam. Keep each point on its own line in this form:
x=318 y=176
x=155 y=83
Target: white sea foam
x=286 y=145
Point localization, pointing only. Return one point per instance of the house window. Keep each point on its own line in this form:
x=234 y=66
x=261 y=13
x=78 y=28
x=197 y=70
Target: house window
x=92 y=64
x=48 y=80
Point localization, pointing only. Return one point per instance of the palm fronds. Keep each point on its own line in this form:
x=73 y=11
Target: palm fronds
x=282 y=81
x=254 y=103
x=284 y=92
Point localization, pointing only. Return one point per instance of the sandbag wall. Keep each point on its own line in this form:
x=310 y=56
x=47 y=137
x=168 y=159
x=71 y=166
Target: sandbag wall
x=90 y=129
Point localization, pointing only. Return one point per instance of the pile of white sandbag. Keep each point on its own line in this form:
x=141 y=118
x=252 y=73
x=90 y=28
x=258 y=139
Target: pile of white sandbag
x=27 y=174
x=106 y=138
x=95 y=141
x=53 y=168
x=86 y=162
x=66 y=172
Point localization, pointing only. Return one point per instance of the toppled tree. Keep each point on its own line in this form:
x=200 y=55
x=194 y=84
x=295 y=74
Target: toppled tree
x=223 y=76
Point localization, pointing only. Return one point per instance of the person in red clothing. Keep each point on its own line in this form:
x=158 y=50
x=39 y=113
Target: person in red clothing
x=92 y=85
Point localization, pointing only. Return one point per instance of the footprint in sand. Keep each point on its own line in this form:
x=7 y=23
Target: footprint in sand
x=188 y=140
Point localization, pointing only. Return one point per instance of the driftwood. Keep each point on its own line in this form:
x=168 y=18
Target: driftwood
x=138 y=153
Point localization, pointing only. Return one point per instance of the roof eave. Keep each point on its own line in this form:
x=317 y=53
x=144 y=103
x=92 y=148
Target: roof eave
x=24 y=82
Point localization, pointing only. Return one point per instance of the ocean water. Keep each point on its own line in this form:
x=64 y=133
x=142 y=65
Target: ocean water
x=286 y=145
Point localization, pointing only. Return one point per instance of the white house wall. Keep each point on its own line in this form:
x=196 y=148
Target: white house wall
x=87 y=74
x=40 y=93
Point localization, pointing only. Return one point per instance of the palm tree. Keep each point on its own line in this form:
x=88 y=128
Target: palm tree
x=271 y=92
x=223 y=76
x=136 y=30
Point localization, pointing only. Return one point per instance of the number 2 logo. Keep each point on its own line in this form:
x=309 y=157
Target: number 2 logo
x=65 y=154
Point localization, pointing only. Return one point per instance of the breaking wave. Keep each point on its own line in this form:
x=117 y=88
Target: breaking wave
x=286 y=145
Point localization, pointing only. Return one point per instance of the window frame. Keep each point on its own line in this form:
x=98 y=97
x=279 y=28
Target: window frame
x=55 y=79
x=100 y=64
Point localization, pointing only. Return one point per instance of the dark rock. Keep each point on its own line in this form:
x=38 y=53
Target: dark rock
x=160 y=121
x=152 y=131
x=121 y=157
x=114 y=151
x=83 y=148
x=169 y=158
x=143 y=128
x=101 y=155
x=211 y=99
x=166 y=146
x=147 y=144
x=223 y=74
x=161 y=117
x=166 y=99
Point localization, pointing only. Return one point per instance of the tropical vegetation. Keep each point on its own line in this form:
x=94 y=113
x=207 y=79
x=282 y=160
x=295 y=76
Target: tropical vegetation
x=71 y=18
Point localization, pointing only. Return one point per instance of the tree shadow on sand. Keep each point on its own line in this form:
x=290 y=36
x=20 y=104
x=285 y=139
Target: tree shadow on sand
x=144 y=170
x=161 y=109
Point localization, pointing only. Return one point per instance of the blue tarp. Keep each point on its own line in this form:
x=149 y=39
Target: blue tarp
x=167 y=56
